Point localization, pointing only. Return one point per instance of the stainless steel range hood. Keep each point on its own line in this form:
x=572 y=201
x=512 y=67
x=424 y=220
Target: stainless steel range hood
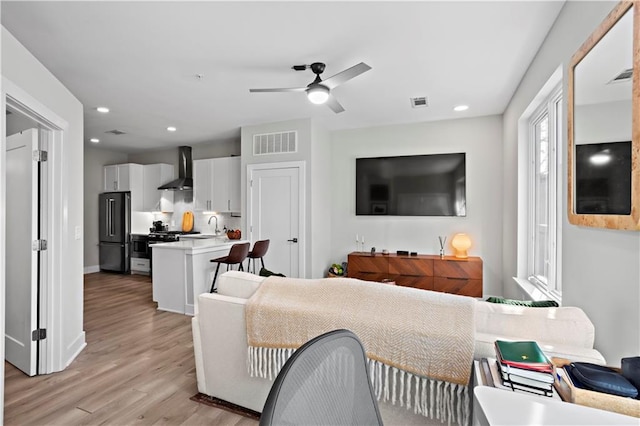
x=185 y=174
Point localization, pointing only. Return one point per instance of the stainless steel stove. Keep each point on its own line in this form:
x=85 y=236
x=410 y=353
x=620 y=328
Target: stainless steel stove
x=167 y=236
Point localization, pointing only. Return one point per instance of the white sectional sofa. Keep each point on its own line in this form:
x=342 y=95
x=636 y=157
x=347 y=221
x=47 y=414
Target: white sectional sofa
x=220 y=341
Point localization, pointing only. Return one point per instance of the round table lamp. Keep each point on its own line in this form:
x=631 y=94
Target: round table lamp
x=461 y=244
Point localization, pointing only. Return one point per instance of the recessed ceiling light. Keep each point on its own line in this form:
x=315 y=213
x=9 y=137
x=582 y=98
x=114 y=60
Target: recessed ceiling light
x=94 y=140
x=102 y=109
x=171 y=129
x=461 y=108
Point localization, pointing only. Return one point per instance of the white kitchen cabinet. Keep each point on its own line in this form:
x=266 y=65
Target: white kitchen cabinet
x=154 y=199
x=202 y=185
x=125 y=177
x=226 y=188
x=217 y=184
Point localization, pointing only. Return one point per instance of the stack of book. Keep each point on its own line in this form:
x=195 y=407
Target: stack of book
x=523 y=366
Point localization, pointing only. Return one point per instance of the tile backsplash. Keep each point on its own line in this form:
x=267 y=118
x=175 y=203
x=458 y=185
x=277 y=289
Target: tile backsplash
x=182 y=202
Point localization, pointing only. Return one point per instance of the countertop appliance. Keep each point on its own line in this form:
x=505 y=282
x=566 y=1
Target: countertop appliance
x=158 y=226
x=114 y=217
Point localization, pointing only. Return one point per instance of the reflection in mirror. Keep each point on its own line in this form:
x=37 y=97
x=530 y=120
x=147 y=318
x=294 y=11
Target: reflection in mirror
x=601 y=130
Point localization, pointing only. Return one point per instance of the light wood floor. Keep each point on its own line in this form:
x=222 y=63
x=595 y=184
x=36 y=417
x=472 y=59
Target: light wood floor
x=137 y=368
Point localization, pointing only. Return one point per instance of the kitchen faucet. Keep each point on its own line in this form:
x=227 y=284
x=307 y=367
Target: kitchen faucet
x=217 y=231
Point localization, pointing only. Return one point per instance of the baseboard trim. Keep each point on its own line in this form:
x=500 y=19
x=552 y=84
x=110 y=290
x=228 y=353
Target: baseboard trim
x=79 y=344
x=91 y=269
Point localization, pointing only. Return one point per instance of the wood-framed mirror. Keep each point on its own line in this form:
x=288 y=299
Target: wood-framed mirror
x=604 y=124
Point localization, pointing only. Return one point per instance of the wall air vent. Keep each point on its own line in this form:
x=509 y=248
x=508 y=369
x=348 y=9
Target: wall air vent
x=115 y=132
x=622 y=77
x=420 y=102
x=275 y=143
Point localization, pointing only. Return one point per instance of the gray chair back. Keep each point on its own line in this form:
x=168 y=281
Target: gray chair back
x=325 y=382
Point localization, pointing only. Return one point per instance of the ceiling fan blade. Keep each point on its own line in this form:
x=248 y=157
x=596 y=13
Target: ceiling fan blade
x=290 y=89
x=346 y=75
x=335 y=106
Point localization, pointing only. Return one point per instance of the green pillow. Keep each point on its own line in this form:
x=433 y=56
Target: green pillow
x=529 y=303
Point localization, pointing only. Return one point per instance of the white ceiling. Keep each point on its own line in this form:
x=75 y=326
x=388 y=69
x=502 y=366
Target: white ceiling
x=140 y=59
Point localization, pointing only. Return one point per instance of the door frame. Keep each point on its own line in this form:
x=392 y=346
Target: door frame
x=55 y=191
x=302 y=190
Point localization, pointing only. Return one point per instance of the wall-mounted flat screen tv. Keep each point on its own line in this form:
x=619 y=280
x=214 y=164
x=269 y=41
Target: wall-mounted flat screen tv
x=603 y=178
x=416 y=185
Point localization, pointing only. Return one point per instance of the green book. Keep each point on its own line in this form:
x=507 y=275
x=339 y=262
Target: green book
x=524 y=355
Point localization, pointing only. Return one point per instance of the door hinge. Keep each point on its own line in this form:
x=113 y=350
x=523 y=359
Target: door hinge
x=251 y=183
x=39 y=245
x=39 y=155
x=38 y=334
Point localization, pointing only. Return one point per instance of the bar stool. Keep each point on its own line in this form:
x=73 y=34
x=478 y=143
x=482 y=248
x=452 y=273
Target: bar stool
x=259 y=250
x=236 y=256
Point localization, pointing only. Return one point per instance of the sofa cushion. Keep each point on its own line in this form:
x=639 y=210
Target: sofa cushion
x=238 y=284
x=566 y=326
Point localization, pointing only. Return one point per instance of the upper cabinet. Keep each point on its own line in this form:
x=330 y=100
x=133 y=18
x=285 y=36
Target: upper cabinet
x=122 y=177
x=125 y=177
x=202 y=185
x=154 y=199
x=604 y=124
x=142 y=182
x=216 y=184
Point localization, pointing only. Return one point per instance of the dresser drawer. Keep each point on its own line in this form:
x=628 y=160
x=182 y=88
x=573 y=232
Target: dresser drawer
x=461 y=286
x=410 y=266
x=368 y=276
x=458 y=268
x=367 y=263
x=424 y=283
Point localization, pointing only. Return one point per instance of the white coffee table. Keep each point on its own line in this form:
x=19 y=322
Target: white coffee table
x=493 y=406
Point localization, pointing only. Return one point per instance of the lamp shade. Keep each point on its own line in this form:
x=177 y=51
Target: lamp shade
x=461 y=243
x=318 y=94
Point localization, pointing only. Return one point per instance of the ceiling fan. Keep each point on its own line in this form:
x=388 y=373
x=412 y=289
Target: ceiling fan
x=319 y=91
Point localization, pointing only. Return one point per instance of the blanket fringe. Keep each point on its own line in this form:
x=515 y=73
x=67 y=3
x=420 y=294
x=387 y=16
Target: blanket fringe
x=435 y=399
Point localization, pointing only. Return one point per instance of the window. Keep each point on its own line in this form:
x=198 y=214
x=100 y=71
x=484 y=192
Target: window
x=545 y=130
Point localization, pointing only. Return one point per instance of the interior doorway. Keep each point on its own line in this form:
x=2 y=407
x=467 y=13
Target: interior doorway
x=276 y=212
x=26 y=238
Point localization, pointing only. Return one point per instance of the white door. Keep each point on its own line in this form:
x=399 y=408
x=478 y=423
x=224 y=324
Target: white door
x=21 y=260
x=275 y=207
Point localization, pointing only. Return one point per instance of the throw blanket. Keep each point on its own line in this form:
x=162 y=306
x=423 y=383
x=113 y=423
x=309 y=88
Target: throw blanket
x=419 y=343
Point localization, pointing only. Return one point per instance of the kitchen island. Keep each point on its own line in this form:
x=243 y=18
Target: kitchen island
x=183 y=269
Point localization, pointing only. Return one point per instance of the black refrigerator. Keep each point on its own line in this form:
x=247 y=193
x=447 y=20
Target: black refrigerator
x=114 y=216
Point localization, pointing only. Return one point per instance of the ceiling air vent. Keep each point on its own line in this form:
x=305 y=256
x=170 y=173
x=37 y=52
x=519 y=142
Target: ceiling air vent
x=622 y=77
x=420 y=102
x=275 y=143
x=115 y=132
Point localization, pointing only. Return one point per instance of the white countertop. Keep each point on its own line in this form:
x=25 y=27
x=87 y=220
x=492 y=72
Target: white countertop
x=194 y=246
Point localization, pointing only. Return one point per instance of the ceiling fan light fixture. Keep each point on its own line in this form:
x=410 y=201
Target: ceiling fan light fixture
x=318 y=94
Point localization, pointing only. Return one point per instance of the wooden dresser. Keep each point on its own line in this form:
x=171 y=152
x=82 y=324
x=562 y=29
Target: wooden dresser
x=428 y=272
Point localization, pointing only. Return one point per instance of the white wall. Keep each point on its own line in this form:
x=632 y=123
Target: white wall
x=600 y=268
x=313 y=148
x=94 y=160
x=321 y=202
x=24 y=70
x=603 y=122
x=480 y=138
